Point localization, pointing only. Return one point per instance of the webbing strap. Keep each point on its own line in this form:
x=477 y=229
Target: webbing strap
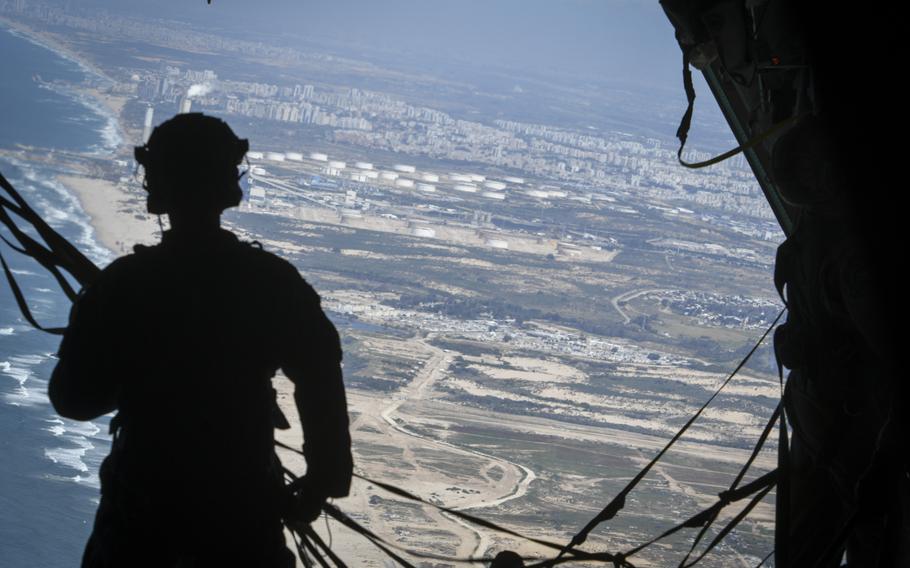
x=311 y=549
x=733 y=522
x=765 y=559
x=682 y=133
x=763 y=483
x=461 y=515
x=76 y=263
x=619 y=501
x=23 y=305
x=301 y=553
x=57 y=254
x=748 y=145
x=30 y=247
x=742 y=472
x=577 y=555
x=782 y=503
x=317 y=540
x=338 y=515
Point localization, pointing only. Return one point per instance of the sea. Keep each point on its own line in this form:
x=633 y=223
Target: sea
x=49 y=486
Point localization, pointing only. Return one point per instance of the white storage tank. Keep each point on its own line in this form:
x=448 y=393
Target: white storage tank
x=363 y=165
x=432 y=178
x=465 y=187
x=496 y=185
x=497 y=243
x=337 y=164
x=401 y=182
x=404 y=169
x=423 y=232
x=428 y=187
x=494 y=195
x=319 y=156
x=254 y=155
x=388 y=176
x=274 y=156
x=294 y=156
x=513 y=179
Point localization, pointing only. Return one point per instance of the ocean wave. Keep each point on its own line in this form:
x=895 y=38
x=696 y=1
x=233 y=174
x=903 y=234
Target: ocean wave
x=7 y=331
x=65 y=209
x=32 y=359
x=58 y=426
x=71 y=457
x=85 y=429
x=19 y=369
x=112 y=137
x=83 y=453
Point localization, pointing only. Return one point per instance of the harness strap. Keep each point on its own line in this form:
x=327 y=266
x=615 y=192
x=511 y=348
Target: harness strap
x=619 y=501
x=726 y=497
x=682 y=133
x=23 y=305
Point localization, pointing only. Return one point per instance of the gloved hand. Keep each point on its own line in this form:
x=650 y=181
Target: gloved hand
x=306 y=502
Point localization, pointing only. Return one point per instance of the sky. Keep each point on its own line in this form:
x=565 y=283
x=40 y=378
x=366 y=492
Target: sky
x=624 y=49
x=614 y=40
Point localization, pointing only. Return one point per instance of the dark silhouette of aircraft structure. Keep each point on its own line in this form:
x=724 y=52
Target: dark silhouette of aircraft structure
x=805 y=89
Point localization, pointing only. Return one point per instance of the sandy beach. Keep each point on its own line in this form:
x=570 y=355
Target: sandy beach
x=118 y=217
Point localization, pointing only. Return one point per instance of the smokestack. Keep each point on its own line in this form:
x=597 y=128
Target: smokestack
x=147 y=129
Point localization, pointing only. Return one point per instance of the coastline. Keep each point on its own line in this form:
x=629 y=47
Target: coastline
x=105 y=102
x=50 y=42
x=117 y=217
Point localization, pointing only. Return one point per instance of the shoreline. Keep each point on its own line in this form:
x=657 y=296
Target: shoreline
x=107 y=103
x=117 y=220
x=51 y=43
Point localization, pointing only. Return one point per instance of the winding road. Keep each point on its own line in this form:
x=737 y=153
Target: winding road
x=393 y=423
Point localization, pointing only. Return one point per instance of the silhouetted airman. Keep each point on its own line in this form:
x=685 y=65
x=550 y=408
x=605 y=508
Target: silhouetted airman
x=182 y=339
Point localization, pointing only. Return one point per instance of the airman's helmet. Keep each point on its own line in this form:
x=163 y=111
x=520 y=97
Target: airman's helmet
x=190 y=163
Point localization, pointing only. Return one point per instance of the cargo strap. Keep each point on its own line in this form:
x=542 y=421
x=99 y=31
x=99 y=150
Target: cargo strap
x=682 y=133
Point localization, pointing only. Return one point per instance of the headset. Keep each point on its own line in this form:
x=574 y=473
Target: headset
x=190 y=162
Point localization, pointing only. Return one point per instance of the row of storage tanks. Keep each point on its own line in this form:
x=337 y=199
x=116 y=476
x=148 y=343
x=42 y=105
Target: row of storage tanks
x=364 y=171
